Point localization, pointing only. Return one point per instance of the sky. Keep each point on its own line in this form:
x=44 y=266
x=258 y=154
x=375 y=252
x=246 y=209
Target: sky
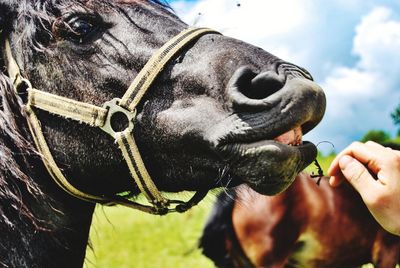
x=351 y=47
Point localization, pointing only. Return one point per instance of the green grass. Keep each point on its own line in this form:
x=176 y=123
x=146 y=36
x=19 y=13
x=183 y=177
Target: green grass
x=125 y=238
x=396 y=140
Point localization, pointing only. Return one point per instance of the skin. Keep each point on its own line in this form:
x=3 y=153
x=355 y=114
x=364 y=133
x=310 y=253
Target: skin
x=374 y=171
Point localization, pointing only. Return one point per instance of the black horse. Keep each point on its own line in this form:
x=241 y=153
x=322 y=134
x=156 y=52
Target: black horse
x=209 y=119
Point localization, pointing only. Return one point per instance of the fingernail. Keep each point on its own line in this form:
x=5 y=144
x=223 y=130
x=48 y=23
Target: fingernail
x=332 y=181
x=344 y=161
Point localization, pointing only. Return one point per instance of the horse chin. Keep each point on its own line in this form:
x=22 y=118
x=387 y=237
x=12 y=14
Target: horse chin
x=270 y=167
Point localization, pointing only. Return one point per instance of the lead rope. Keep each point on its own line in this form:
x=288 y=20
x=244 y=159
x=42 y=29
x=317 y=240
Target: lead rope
x=101 y=117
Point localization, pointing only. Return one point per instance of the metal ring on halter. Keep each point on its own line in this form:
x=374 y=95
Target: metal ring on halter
x=113 y=108
x=27 y=84
x=22 y=85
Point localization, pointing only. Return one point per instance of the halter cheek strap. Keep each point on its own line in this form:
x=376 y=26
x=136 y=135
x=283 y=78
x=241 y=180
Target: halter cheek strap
x=101 y=117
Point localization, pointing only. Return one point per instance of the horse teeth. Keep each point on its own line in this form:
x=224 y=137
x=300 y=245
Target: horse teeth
x=292 y=137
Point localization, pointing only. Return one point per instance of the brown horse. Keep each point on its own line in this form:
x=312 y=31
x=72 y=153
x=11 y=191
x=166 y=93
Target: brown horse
x=203 y=112
x=306 y=226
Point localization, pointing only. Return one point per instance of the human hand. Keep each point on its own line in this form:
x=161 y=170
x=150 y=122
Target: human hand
x=374 y=171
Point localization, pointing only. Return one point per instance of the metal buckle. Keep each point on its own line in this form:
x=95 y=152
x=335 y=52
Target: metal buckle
x=113 y=107
x=26 y=84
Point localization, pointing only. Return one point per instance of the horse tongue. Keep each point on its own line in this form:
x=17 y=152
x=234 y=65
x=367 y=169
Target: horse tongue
x=292 y=137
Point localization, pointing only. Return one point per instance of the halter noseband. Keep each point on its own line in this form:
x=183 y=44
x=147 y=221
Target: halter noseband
x=96 y=116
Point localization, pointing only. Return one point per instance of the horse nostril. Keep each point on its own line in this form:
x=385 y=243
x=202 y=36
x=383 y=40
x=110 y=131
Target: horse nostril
x=256 y=86
x=264 y=85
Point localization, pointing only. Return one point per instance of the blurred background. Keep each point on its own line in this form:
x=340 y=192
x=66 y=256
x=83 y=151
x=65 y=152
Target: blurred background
x=352 y=49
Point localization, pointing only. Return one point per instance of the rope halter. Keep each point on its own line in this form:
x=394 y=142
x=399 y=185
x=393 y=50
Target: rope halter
x=101 y=117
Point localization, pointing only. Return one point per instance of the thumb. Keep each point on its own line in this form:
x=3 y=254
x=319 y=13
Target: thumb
x=356 y=173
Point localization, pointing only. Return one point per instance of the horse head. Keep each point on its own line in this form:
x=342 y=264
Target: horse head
x=222 y=112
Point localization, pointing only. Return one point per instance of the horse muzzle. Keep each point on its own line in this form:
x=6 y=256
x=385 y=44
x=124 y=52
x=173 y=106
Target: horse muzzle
x=272 y=111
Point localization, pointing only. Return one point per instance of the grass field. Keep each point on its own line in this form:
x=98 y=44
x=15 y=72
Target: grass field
x=125 y=238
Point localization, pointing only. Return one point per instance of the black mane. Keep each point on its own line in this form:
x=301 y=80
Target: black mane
x=16 y=154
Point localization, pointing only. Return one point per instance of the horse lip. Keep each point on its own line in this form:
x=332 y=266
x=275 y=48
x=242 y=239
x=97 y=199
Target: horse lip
x=306 y=148
x=267 y=166
x=292 y=137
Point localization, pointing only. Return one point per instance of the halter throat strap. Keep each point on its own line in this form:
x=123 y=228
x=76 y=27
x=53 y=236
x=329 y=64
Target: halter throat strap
x=101 y=117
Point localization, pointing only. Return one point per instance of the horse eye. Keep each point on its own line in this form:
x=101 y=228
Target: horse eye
x=79 y=30
x=81 y=27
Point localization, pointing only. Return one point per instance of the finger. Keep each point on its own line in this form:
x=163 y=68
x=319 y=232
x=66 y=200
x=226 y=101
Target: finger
x=335 y=181
x=357 y=175
x=363 y=153
x=374 y=144
x=381 y=151
x=334 y=169
x=385 y=157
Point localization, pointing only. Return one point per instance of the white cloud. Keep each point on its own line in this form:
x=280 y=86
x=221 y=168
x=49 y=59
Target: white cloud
x=264 y=23
x=251 y=16
x=378 y=42
x=361 y=98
